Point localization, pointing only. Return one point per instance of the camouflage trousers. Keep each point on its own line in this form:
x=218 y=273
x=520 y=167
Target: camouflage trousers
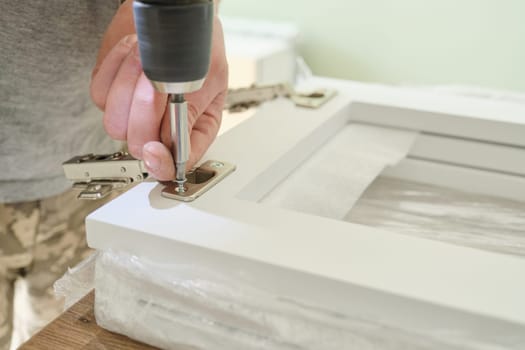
x=39 y=240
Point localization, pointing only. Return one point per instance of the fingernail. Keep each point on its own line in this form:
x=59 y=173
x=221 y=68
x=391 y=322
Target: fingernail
x=151 y=160
x=130 y=39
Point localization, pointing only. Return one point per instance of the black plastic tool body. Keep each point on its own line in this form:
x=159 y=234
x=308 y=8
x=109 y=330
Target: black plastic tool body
x=174 y=38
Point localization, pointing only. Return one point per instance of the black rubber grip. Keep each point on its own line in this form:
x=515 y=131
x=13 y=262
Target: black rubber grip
x=174 y=38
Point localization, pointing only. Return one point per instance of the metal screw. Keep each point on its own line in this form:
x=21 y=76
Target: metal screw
x=217 y=165
x=123 y=170
x=139 y=177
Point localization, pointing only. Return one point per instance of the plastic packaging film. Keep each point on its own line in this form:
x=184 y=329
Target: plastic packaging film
x=77 y=281
x=341 y=181
x=332 y=180
x=180 y=306
x=444 y=214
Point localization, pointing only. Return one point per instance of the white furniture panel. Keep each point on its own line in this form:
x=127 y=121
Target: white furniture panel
x=415 y=283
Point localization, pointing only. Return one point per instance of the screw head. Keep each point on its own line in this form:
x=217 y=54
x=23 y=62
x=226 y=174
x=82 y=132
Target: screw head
x=139 y=177
x=123 y=170
x=180 y=189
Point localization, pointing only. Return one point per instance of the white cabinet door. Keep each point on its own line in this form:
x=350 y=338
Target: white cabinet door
x=334 y=264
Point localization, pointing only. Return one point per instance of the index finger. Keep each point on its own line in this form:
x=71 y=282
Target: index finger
x=145 y=117
x=105 y=73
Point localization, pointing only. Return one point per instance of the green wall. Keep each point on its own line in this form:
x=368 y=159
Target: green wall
x=475 y=42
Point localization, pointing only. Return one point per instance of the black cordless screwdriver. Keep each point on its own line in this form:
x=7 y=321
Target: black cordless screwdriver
x=174 y=38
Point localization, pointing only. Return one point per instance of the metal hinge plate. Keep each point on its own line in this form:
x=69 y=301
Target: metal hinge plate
x=241 y=99
x=199 y=180
x=96 y=176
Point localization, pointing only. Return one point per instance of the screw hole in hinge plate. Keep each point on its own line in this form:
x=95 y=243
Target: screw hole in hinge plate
x=199 y=180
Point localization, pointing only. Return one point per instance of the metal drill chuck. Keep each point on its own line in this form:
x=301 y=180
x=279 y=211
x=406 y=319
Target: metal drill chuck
x=174 y=38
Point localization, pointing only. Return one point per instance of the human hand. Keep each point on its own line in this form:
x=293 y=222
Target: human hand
x=135 y=112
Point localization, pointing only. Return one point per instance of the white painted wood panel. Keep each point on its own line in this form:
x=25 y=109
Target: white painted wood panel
x=475 y=154
x=320 y=259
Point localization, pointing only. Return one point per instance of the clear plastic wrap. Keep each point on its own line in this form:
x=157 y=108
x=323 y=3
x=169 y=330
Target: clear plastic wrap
x=342 y=180
x=77 y=281
x=178 y=306
x=444 y=214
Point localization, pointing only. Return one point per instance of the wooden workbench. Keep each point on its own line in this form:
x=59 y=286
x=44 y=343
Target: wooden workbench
x=76 y=329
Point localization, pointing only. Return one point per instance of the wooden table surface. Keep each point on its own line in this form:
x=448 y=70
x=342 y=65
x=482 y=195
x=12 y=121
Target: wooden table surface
x=76 y=329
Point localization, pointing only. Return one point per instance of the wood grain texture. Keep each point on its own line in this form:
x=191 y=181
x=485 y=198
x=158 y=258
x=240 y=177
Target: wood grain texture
x=77 y=329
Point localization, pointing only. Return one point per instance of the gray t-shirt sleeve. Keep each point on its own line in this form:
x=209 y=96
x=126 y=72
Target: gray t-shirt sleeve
x=48 y=51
